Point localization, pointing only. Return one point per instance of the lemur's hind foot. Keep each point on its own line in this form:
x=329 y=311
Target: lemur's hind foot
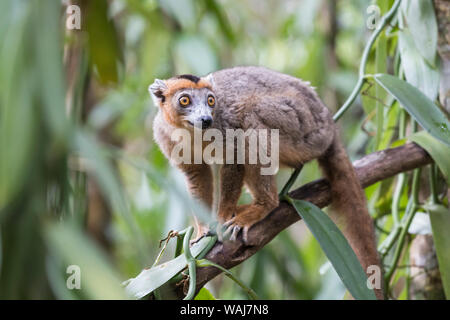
x=246 y=217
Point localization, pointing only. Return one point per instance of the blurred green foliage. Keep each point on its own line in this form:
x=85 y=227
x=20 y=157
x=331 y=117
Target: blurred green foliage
x=63 y=130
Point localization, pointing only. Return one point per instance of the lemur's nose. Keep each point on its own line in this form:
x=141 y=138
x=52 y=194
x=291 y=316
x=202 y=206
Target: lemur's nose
x=206 y=122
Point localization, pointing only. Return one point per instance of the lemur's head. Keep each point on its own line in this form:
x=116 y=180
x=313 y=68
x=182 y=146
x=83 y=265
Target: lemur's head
x=185 y=101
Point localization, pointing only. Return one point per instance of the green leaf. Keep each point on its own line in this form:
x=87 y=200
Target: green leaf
x=104 y=48
x=98 y=279
x=49 y=62
x=380 y=94
x=390 y=126
x=440 y=225
x=151 y=279
x=222 y=20
x=380 y=67
x=418 y=105
x=87 y=146
x=1 y=252
x=193 y=54
x=438 y=151
x=197 y=208
x=57 y=277
x=336 y=248
x=204 y=294
x=417 y=71
x=421 y=21
x=182 y=10
x=19 y=130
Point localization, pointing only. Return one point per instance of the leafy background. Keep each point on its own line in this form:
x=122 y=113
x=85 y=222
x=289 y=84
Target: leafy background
x=82 y=182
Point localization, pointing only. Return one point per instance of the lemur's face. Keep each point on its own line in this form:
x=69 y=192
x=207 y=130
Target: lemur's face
x=195 y=106
x=186 y=101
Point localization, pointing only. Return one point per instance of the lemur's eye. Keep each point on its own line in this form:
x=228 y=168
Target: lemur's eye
x=211 y=101
x=184 y=101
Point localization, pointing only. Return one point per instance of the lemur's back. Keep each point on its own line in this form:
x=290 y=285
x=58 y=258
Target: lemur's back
x=256 y=97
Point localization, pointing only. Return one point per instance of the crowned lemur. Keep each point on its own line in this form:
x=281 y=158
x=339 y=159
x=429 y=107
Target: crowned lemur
x=258 y=98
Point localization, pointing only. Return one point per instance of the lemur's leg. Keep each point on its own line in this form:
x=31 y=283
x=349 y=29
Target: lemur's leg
x=199 y=180
x=265 y=198
x=231 y=181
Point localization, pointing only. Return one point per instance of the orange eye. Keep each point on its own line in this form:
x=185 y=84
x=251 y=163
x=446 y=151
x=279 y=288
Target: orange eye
x=211 y=101
x=184 y=101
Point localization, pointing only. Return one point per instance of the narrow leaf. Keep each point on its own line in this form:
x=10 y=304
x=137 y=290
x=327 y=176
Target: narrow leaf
x=380 y=67
x=182 y=10
x=104 y=48
x=380 y=94
x=418 y=105
x=438 y=151
x=195 y=54
x=221 y=18
x=336 y=248
x=151 y=279
x=87 y=146
x=421 y=20
x=99 y=280
x=418 y=72
x=440 y=224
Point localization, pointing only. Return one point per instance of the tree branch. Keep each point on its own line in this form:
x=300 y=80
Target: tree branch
x=370 y=169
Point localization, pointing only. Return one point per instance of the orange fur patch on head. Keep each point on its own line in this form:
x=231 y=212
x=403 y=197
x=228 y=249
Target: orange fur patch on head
x=173 y=85
x=171 y=116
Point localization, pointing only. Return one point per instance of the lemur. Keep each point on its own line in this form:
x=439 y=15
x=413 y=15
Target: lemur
x=259 y=98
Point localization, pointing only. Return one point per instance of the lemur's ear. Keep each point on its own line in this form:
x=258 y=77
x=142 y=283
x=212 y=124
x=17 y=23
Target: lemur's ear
x=157 y=90
x=209 y=78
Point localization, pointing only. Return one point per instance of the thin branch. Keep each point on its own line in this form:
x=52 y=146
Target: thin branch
x=370 y=169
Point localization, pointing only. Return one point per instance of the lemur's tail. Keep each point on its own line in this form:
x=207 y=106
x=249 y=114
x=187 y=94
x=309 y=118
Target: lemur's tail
x=349 y=208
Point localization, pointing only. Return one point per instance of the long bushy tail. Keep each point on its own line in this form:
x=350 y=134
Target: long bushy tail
x=349 y=207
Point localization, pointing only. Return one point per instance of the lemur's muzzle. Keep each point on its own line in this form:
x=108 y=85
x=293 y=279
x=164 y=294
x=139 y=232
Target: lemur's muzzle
x=206 y=122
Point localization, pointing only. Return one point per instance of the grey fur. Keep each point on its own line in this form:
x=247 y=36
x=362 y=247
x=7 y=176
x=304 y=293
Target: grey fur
x=197 y=109
x=257 y=97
